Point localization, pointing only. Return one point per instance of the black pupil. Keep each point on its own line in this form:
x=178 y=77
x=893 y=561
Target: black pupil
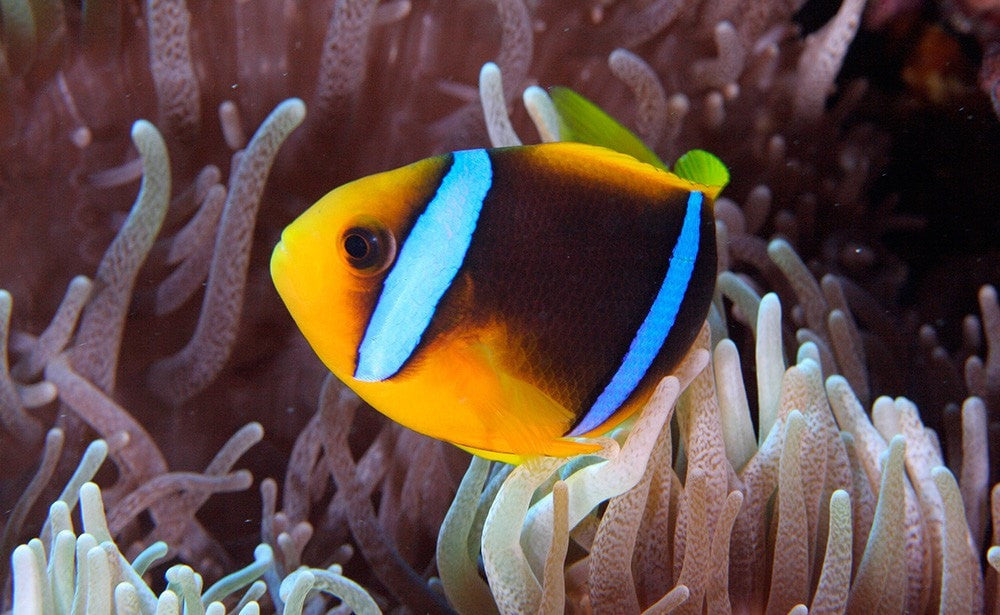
x=357 y=246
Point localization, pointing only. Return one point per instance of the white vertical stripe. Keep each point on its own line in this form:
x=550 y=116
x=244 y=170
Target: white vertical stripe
x=428 y=261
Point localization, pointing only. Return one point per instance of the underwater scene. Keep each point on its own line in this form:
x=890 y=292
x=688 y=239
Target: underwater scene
x=499 y=306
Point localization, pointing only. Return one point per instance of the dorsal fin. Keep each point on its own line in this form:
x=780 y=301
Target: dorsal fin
x=582 y=121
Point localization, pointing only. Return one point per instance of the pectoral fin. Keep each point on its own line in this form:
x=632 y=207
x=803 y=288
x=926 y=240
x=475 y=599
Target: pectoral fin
x=530 y=421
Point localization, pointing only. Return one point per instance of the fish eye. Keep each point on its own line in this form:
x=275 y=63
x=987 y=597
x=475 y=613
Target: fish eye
x=359 y=246
x=368 y=248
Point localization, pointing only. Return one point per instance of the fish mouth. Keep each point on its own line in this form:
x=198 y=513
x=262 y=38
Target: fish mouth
x=293 y=276
x=278 y=255
x=279 y=265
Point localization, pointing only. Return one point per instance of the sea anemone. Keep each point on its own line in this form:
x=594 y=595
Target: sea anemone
x=180 y=394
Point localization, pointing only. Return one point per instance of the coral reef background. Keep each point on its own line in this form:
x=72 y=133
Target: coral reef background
x=875 y=164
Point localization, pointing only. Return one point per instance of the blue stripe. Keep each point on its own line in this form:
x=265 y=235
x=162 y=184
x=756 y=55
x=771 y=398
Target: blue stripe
x=654 y=329
x=428 y=261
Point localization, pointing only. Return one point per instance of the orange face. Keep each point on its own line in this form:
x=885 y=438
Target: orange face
x=331 y=261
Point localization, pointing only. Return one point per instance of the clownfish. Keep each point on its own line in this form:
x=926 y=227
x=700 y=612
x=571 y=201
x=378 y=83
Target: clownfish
x=511 y=301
